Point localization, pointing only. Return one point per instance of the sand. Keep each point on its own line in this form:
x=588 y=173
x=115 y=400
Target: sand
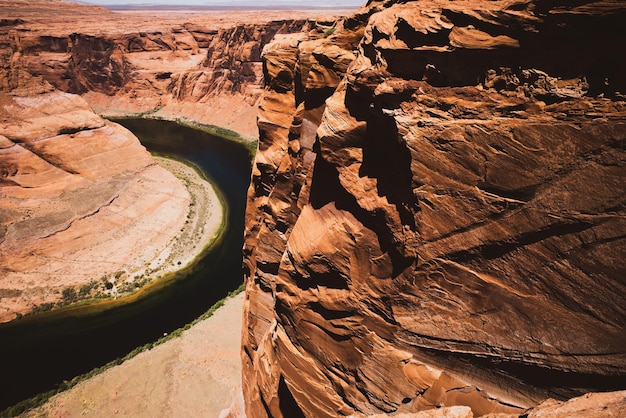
x=195 y=375
x=204 y=219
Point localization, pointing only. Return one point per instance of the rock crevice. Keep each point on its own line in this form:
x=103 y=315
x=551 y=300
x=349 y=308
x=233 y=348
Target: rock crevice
x=436 y=215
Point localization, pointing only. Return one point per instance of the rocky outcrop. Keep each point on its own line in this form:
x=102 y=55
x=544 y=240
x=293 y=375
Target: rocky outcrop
x=233 y=61
x=593 y=405
x=202 y=68
x=83 y=203
x=436 y=216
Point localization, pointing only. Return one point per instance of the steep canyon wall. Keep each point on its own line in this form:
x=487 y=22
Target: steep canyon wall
x=200 y=68
x=436 y=215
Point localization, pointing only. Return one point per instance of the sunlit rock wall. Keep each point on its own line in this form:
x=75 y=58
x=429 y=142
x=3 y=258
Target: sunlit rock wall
x=436 y=215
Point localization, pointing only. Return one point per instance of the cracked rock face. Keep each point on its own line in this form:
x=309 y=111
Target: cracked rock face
x=437 y=211
x=81 y=199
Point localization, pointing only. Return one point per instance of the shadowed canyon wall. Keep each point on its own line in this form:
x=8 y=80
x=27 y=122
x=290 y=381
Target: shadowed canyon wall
x=436 y=215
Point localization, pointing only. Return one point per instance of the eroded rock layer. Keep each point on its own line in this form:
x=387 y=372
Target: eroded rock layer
x=437 y=213
x=199 y=67
x=82 y=201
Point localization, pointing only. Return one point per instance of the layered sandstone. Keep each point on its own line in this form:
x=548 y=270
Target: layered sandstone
x=84 y=205
x=200 y=66
x=437 y=212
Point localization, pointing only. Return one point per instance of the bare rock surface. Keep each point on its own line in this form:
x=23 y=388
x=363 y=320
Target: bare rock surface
x=436 y=215
x=201 y=66
x=593 y=405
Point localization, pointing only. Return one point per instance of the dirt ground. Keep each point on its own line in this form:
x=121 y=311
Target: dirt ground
x=195 y=375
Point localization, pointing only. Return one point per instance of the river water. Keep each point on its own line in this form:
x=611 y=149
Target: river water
x=38 y=353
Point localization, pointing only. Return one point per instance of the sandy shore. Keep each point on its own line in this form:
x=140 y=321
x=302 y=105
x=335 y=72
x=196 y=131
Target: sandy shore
x=195 y=375
x=202 y=226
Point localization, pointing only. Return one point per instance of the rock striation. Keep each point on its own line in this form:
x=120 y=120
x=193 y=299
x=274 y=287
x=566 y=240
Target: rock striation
x=437 y=214
x=82 y=201
x=201 y=67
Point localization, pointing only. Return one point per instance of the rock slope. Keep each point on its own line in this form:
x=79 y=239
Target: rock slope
x=437 y=213
x=73 y=187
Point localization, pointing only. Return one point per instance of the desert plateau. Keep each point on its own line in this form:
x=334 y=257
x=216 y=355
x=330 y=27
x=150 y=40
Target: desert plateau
x=396 y=209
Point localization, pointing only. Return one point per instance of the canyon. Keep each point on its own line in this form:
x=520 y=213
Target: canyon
x=80 y=192
x=203 y=67
x=436 y=216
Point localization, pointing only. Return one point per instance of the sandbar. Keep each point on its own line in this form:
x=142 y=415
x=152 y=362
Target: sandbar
x=205 y=218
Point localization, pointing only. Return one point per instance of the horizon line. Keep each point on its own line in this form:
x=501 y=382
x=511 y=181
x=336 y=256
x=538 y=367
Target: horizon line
x=214 y=7
x=116 y=7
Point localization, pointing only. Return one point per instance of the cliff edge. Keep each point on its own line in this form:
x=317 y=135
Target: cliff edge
x=437 y=212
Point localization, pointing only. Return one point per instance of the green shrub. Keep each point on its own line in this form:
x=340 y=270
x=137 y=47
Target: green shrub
x=86 y=288
x=69 y=295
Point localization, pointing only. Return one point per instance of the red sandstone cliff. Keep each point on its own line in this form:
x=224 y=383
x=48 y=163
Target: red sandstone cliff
x=203 y=68
x=437 y=212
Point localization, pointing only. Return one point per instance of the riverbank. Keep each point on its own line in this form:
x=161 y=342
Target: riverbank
x=49 y=350
x=178 y=223
x=204 y=220
x=195 y=374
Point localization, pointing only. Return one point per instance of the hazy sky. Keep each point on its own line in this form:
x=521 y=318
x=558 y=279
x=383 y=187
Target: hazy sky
x=257 y=3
